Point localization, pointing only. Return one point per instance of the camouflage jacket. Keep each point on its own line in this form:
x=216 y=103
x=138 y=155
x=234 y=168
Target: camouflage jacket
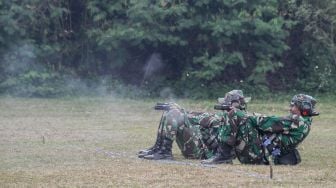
x=289 y=131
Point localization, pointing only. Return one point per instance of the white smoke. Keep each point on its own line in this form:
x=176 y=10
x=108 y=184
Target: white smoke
x=20 y=62
x=19 y=59
x=167 y=93
x=153 y=64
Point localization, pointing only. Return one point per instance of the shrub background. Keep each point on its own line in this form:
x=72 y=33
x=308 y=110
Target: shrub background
x=166 y=47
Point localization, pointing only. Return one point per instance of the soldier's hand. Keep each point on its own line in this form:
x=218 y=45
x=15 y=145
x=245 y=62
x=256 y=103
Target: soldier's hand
x=276 y=151
x=266 y=141
x=232 y=112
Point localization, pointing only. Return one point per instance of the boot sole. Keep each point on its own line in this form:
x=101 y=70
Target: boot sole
x=217 y=162
x=149 y=157
x=142 y=155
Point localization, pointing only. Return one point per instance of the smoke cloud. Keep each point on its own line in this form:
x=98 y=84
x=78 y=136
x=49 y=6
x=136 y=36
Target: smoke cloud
x=25 y=77
x=153 y=64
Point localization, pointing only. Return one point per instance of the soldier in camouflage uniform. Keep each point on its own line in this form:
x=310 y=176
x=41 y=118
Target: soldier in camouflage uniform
x=281 y=136
x=258 y=136
x=195 y=133
x=228 y=132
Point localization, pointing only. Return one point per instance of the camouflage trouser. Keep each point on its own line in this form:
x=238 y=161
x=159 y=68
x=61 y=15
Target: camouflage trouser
x=176 y=124
x=247 y=145
x=249 y=149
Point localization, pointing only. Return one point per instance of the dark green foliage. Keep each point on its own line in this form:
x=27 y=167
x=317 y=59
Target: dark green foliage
x=310 y=64
x=188 y=48
x=22 y=76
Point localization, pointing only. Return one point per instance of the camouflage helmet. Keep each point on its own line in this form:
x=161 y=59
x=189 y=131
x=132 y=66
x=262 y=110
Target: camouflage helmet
x=305 y=103
x=234 y=96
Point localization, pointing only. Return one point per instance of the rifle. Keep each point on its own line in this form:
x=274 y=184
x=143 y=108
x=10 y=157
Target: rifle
x=314 y=113
x=162 y=106
x=222 y=107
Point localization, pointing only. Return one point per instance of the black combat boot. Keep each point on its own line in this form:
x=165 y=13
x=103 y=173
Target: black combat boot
x=223 y=155
x=151 y=150
x=164 y=152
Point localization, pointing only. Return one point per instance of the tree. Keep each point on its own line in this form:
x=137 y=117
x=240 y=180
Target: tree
x=310 y=63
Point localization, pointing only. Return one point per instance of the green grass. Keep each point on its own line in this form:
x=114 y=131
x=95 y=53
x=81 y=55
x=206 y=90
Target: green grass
x=93 y=142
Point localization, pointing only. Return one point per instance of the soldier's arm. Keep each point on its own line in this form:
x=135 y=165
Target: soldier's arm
x=295 y=130
x=269 y=124
x=204 y=119
x=236 y=116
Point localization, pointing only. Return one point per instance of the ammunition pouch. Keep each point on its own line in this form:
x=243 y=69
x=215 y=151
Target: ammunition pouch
x=290 y=158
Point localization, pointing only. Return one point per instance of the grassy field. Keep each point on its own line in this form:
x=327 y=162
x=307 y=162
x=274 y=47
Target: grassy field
x=92 y=142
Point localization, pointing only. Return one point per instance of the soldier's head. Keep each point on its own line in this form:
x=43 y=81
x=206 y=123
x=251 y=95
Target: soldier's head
x=304 y=105
x=234 y=98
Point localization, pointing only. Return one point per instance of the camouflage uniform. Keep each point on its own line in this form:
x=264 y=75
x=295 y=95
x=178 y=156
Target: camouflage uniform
x=242 y=134
x=228 y=131
x=287 y=133
x=195 y=132
x=282 y=133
